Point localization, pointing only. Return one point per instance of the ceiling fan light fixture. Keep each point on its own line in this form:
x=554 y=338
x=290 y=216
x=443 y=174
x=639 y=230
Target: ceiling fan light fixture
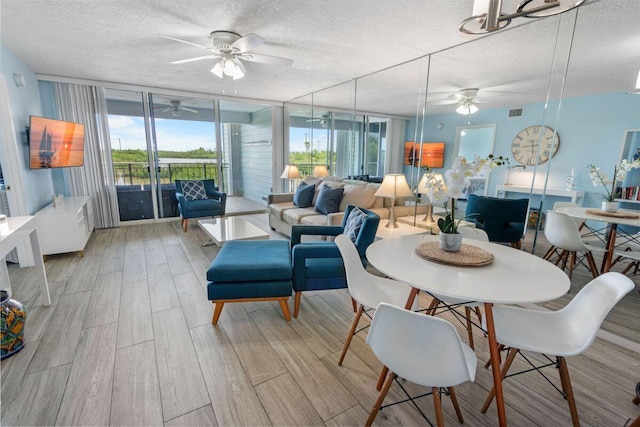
x=218 y=69
x=466 y=108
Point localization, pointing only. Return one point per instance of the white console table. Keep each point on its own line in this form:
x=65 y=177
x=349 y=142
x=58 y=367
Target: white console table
x=574 y=195
x=12 y=232
x=67 y=227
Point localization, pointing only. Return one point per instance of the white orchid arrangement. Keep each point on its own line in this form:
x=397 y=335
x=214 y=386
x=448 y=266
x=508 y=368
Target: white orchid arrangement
x=456 y=180
x=619 y=174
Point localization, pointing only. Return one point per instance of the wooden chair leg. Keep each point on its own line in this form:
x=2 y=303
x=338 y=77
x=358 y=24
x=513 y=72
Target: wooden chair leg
x=352 y=332
x=381 y=396
x=505 y=368
x=296 y=304
x=479 y=314
x=467 y=313
x=186 y=224
x=572 y=263
x=635 y=423
x=592 y=265
x=549 y=253
x=438 y=406
x=568 y=390
x=284 y=305
x=217 y=310
x=454 y=400
x=561 y=258
x=354 y=304
x=433 y=307
x=629 y=267
x=488 y=362
x=383 y=375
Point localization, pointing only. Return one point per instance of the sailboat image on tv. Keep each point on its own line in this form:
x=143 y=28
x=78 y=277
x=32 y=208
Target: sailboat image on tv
x=55 y=143
x=47 y=151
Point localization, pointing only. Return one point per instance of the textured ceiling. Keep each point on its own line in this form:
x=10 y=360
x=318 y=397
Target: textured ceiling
x=330 y=42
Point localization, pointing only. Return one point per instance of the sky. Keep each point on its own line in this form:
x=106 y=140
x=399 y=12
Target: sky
x=127 y=132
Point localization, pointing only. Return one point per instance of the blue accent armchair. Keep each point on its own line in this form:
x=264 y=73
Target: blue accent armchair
x=318 y=265
x=503 y=220
x=214 y=205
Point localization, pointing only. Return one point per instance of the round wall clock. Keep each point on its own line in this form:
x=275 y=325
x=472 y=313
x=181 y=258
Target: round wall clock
x=525 y=145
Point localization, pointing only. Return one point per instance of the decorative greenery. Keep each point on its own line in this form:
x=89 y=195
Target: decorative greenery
x=619 y=174
x=456 y=180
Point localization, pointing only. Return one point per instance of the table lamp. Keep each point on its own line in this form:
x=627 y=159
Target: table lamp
x=320 y=171
x=291 y=173
x=393 y=185
x=428 y=181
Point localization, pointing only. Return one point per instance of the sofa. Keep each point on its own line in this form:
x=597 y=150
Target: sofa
x=284 y=214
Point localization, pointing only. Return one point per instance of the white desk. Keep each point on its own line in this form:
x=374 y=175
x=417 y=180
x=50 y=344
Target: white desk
x=14 y=231
x=514 y=277
x=574 y=195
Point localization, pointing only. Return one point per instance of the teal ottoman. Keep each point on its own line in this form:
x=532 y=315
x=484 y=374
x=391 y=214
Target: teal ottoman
x=246 y=270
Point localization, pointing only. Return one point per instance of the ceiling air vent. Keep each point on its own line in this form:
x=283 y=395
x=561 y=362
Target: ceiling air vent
x=515 y=112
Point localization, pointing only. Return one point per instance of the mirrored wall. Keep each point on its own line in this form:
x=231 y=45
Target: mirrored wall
x=551 y=120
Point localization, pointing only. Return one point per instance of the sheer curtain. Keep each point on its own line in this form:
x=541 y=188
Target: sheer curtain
x=395 y=145
x=87 y=105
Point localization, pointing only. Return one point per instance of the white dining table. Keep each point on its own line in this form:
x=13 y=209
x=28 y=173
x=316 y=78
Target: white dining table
x=613 y=222
x=514 y=277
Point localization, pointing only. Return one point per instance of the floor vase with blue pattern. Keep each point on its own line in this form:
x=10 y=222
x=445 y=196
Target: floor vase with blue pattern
x=12 y=317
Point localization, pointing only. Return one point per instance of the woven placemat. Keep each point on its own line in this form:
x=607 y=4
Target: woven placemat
x=468 y=256
x=624 y=214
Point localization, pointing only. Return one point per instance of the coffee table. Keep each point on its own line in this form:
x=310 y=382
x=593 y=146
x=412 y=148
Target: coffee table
x=222 y=230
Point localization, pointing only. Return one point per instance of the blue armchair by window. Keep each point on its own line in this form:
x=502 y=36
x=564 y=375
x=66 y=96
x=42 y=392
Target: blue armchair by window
x=199 y=198
x=502 y=219
x=318 y=265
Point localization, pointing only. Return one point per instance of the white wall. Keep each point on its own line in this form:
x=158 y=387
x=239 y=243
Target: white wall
x=25 y=101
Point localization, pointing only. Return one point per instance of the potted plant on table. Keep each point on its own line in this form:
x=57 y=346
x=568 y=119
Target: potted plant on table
x=446 y=192
x=598 y=178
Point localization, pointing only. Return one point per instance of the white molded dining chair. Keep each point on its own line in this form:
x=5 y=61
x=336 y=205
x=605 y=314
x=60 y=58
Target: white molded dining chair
x=423 y=349
x=467 y=233
x=562 y=232
x=590 y=238
x=366 y=289
x=566 y=332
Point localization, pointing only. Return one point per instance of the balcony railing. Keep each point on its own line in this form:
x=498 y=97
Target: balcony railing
x=132 y=173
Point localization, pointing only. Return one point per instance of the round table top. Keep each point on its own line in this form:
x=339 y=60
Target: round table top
x=578 y=212
x=514 y=277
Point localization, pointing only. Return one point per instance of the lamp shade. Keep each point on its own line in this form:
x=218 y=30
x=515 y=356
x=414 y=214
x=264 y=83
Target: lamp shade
x=290 y=172
x=394 y=185
x=467 y=107
x=428 y=180
x=320 y=171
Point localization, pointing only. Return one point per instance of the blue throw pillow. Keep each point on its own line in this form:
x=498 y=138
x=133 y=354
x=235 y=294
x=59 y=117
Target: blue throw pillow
x=354 y=223
x=303 y=197
x=329 y=200
x=194 y=190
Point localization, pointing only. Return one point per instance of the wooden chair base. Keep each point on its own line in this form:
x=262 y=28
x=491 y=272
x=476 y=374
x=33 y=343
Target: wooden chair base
x=435 y=392
x=219 y=304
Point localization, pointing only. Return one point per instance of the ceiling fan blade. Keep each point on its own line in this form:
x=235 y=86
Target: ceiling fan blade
x=248 y=42
x=185 y=42
x=190 y=109
x=197 y=58
x=266 y=59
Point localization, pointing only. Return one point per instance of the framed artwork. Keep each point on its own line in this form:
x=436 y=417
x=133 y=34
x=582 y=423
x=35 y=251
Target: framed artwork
x=432 y=154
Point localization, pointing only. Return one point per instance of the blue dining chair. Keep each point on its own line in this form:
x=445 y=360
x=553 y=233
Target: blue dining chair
x=503 y=220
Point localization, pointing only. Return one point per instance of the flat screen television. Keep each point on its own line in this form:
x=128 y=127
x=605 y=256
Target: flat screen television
x=55 y=144
x=432 y=154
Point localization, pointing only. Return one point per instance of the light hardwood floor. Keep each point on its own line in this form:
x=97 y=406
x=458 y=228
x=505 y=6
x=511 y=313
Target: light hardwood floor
x=128 y=341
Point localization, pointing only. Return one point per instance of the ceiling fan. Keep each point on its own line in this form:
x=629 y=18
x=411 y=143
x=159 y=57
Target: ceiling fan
x=231 y=49
x=324 y=120
x=466 y=100
x=175 y=107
